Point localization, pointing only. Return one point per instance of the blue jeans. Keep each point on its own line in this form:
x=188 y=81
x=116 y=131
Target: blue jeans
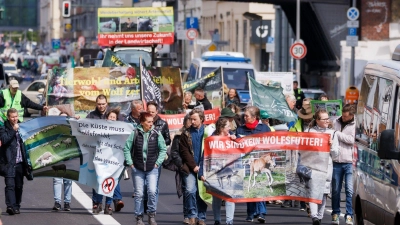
x=229 y=208
x=195 y=206
x=57 y=189
x=256 y=208
x=141 y=178
x=340 y=171
x=117 y=193
x=98 y=198
x=158 y=181
x=185 y=211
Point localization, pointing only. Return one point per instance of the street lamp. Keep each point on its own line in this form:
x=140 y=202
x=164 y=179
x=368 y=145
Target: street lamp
x=255 y=17
x=184 y=2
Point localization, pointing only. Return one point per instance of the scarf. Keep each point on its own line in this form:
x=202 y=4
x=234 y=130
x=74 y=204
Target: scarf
x=253 y=125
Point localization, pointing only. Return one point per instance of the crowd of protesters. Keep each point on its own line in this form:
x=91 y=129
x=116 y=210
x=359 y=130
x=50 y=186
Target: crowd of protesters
x=146 y=147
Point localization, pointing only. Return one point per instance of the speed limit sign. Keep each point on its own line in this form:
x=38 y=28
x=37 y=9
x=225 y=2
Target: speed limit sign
x=298 y=50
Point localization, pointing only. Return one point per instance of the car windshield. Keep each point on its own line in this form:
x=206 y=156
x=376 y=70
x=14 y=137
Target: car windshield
x=314 y=96
x=10 y=68
x=132 y=56
x=233 y=78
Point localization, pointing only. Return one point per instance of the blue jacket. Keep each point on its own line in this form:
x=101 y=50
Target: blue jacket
x=244 y=131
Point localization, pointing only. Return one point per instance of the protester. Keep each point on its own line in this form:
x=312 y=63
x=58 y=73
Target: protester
x=13 y=98
x=222 y=129
x=265 y=120
x=323 y=97
x=159 y=124
x=236 y=120
x=320 y=124
x=342 y=165
x=177 y=160
x=305 y=117
x=251 y=126
x=232 y=97
x=201 y=100
x=101 y=112
x=187 y=100
x=144 y=152
x=13 y=162
x=299 y=94
x=190 y=149
x=133 y=117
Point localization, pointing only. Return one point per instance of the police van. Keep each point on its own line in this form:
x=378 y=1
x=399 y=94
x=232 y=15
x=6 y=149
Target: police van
x=235 y=68
x=376 y=197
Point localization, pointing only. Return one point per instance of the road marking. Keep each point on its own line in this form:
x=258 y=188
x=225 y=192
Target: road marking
x=330 y=211
x=86 y=202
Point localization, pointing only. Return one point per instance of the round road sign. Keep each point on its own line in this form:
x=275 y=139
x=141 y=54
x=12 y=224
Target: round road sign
x=353 y=13
x=298 y=50
x=191 y=34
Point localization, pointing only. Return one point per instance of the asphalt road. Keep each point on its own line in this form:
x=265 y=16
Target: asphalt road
x=38 y=202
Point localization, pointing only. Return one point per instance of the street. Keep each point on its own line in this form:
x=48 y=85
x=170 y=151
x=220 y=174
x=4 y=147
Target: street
x=37 y=203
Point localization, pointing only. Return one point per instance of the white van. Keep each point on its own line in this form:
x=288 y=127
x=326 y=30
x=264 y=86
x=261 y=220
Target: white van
x=376 y=175
x=235 y=69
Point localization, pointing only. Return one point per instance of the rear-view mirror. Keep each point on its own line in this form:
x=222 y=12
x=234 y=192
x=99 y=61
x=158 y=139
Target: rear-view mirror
x=41 y=90
x=386 y=145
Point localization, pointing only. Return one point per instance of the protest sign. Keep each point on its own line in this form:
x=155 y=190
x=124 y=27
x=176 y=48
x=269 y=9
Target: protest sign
x=290 y=166
x=211 y=84
x=277 y=79
x=135 y=26
x=86 y=150
x=333 y=107
x=112 y=60
x=150 y=91
x=271 y=100
x=176 y=121
x=81 y=86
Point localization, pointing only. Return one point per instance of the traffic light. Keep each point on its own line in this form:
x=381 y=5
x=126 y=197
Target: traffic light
x=66 y=8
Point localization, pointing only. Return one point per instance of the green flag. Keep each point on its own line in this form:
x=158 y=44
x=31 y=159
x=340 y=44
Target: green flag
x=112 y=60
x=271 y=100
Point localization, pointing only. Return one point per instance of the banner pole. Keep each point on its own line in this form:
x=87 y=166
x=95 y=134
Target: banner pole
x=223 y=89
x=46 y=91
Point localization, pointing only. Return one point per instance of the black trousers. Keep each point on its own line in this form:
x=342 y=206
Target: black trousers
x=14 y=186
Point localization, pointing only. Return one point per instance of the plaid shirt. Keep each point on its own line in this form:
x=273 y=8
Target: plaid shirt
x=19 y=153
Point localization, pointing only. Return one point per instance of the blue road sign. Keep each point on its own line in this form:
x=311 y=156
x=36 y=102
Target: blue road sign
x=56 y=43
x=352 y=31
x=192 y=22
x=353 y=13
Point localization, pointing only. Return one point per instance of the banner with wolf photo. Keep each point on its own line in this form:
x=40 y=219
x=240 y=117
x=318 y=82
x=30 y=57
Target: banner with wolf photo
x=333 y=107
x=212 y=84
x=267 y=166
x=81 y=86
x=87 y=150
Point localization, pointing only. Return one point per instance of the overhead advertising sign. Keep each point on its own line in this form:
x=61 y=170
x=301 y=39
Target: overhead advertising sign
x=260 y=29
x=135 y=26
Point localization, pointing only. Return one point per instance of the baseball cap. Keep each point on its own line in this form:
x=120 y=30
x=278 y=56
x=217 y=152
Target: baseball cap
x=264 y=115
x=14 y=84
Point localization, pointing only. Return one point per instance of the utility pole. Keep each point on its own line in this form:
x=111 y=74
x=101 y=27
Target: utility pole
x=298 y=71
x=184 y=41
x=352 y=60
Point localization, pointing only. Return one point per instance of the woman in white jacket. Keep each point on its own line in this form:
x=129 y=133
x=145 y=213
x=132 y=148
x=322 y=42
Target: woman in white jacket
x=320 y=124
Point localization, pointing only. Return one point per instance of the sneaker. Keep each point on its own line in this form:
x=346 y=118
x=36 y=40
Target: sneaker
x=349 y=220
x=316 y=221
x=10 y=211
x=286 y=204
x=278 y=202
x=186 y=220
x=16 y=211
x=139 y=220
x=261 y=218
x=67 y=207
x=217 y=223
x=96 y=208
x=57 y=206
x=335 y=219
x=249 y=219
x=108 y=210
x=201 y=222
x=302 y=209
x=118 y=205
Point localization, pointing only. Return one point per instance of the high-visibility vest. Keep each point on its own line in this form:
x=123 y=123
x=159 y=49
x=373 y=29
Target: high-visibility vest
x=298 y=92
x=9 y=103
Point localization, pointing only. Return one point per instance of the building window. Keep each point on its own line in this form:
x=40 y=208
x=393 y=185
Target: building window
x=244 y=37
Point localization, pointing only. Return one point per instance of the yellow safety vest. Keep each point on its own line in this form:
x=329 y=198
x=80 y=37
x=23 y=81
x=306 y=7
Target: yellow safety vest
x=298 y=92
x=9 y=103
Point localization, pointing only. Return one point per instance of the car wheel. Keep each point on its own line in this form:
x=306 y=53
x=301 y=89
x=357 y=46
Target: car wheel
x=26 y=113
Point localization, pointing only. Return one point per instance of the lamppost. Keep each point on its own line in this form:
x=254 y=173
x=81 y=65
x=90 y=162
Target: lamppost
x=184 y=2
x=255 y=17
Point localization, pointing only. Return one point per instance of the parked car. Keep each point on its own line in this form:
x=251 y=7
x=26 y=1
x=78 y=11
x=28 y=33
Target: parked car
x=3 y=76
x=13 y=73
x=32 y=92
x=313 y=93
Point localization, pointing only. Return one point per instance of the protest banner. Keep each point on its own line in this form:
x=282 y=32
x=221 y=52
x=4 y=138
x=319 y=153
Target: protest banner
x=135 y=26
x=333 y=107
x=86 y=150
x=176 y=121
x=81 y=86
x=112 y=60
x=267 y=166
x=271 y=100
x=277 y=79
x=211 y=84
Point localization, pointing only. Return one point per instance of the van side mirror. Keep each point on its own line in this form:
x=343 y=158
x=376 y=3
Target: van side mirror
x=387 y=146
x=41 y=90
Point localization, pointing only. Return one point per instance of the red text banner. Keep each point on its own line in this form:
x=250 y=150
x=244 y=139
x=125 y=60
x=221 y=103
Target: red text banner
x=111 y=39
x=175 y=121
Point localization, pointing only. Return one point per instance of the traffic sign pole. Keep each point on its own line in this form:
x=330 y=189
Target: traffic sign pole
x=352 y=61
x=298 y=69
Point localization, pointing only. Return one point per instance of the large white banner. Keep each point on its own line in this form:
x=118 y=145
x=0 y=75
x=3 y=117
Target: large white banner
x=102 y=143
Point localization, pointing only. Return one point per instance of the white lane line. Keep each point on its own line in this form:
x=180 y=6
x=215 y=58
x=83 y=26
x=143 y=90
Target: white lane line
x=86 y=202
x=330 y=211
